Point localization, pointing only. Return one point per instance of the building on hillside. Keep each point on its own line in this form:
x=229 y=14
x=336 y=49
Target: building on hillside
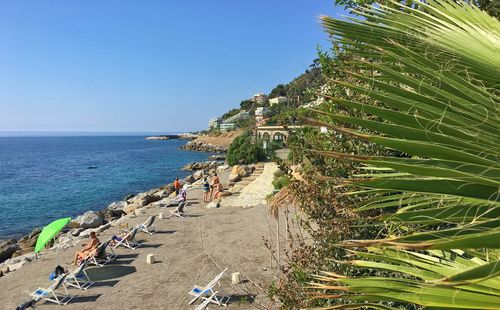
x=260 y=113
x=227 y=126
x=214 y=123
x=280 y=99
x=259 y=98
x=237 y=117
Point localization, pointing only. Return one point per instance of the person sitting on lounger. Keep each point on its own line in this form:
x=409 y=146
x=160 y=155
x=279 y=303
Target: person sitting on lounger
x=89 y=248
x=115 y=239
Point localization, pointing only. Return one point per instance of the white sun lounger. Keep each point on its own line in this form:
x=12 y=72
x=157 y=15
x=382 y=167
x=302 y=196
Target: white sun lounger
x=179 y=210
x=205 y=302
x=148 y=225
x=48 y=294
x=207 y=292
x=125 y=242
x=78 y=277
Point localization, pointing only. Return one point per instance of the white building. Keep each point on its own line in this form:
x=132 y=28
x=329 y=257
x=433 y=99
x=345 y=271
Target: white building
x=280 y=99
x=227 y=126
x=214 y=123
x=260 y=113
x=237 y=117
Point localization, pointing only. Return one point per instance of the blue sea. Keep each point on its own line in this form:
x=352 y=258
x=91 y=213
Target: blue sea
x=43 y=178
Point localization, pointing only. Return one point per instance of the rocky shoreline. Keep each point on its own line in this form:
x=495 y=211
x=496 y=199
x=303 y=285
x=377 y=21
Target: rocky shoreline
x=198 y=146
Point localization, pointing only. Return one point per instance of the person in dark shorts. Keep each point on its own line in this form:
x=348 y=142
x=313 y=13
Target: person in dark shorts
x=206 y=190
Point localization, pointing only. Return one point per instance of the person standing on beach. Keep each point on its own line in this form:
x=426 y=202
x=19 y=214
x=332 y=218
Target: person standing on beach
x=177 y=186
x=206 y=190
x=213 y=187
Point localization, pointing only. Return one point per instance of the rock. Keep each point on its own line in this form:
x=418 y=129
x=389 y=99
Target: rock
x=16 y=263
x=131 y=208
x=203 y=147
x=86 y=233
x=35 y=233
x=4 y=269
x=240 y=171
x=222 y=168
x=202 y=165
x=144 y=199
x=8 y=248
x=118 y=205
x=217 y=157
x=28 y=243
x=129 y=196
x=90 y=219
x=75 y=232
x=225 y=194
x=199 y=174
x=104 y=227
x=111 y=215
x=189 y=179
x=213 y=205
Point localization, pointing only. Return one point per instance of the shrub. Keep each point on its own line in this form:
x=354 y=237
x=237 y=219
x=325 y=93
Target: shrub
x=243 y=151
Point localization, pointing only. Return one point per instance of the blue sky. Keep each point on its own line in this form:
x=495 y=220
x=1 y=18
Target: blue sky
x=160 y=66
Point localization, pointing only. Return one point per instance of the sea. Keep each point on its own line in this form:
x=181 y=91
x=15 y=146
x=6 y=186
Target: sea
x=44 y=177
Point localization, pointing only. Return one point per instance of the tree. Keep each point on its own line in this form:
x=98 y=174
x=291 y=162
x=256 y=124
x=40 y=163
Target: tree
x=243 y=151
x=278 y=91
x=246 y=105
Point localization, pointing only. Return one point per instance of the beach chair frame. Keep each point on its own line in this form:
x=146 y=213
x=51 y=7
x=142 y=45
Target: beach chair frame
x=82 y=283
x=49 y=294
x=206 y=301
x=148 y=225
x=207 y=292
x=132 y=244
x=179 y=210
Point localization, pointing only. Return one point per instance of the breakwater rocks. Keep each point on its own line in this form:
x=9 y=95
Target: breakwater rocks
x=184 y=136
x=203 y=147
x=202 y=165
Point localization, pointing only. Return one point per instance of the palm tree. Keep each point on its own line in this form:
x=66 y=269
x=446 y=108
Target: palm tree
x=432 y=74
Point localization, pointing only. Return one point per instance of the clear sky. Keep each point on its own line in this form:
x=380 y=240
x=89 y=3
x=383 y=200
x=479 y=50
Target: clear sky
x=119 y=65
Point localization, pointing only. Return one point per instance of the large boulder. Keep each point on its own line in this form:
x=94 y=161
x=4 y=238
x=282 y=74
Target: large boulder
x=237 y=173
x=111 y=215
x=199 y=174
x=131 y=208
x=8 y=248
x=118 y=205
x=90 y=219
x=189 y=179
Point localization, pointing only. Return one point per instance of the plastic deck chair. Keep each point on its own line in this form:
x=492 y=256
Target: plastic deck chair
x=128 y=240
x=179 y=210
x=49 y=294
x=78 y=277
x=148 y=225
x=207 y=291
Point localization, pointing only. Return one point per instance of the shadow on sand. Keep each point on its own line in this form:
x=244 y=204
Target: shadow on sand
x=109 y=272
x=81 y=299
x=241 y=298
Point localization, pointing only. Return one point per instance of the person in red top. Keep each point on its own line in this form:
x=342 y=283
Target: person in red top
x=177 y=186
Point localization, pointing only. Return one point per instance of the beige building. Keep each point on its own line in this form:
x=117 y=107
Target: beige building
x=277 y=100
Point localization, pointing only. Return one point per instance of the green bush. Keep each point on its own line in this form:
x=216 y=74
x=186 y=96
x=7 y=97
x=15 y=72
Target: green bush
x=281 y=181
x=243 y=151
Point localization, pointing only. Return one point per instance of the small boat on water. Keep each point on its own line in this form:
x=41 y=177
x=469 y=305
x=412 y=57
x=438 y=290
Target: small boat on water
x=92 y=167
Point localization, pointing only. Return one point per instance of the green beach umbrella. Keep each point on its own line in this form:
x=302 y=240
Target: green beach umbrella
x=49 y=232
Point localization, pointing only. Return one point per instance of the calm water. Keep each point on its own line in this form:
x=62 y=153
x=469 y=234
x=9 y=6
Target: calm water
x=45 y=178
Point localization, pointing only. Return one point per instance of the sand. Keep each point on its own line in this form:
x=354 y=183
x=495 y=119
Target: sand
x=188 y=251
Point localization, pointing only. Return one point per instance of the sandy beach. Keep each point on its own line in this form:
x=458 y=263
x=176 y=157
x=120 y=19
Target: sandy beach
x=189 y=251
